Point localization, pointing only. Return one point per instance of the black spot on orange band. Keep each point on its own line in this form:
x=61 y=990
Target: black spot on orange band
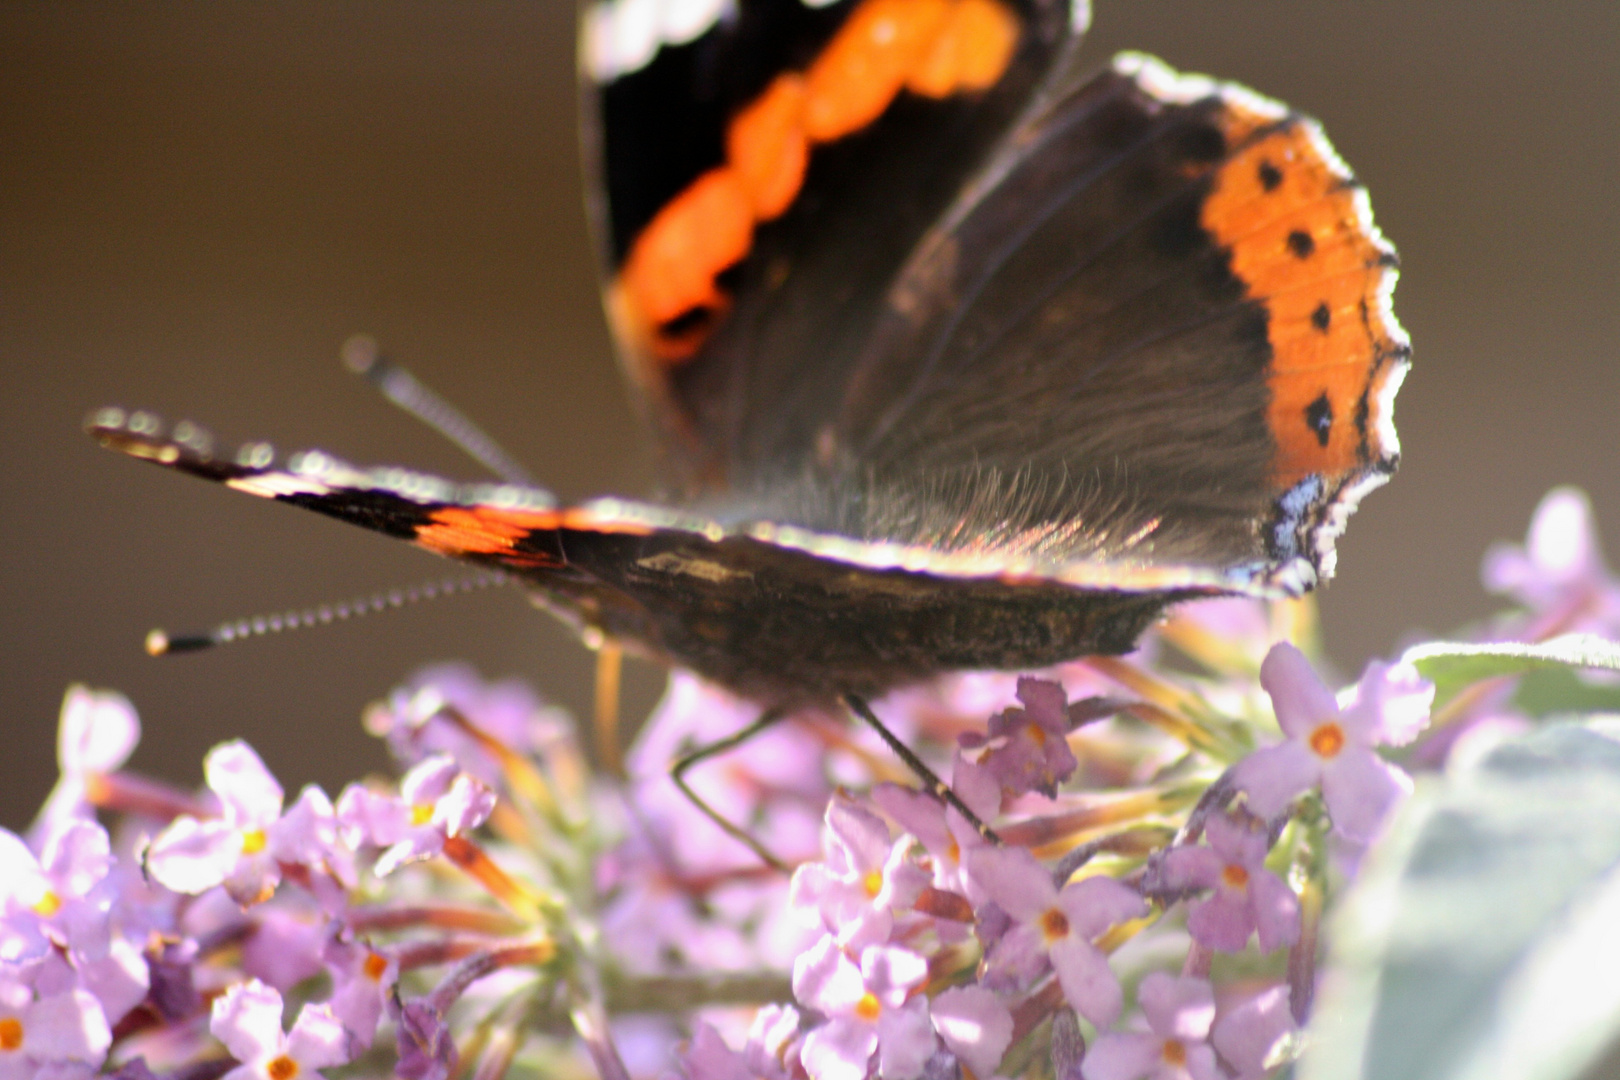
x=1319 y=418
x=1301 y=244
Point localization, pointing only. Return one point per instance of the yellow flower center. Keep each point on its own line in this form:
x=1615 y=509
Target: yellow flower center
x=1054 y=925
x=282 y=1068
x=1173 y=1052
x=1327 y=740
x=11 y=1033
x=869 y=1007
x=1235 y=877
x=253 y=841
x=47 y=905
x=421 y=814
x=872 y=883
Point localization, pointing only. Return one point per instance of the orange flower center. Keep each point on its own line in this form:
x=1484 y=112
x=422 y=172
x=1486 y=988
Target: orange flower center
x=872 y=883
x=1327 y=740
x=869 y=1007
x=1235 y=877
x=1173 y=1052
x=282 y=1068
x=1054 y=925
x=11 y=1033
x=253 y=841
x=374 y=966
x=1037 y=734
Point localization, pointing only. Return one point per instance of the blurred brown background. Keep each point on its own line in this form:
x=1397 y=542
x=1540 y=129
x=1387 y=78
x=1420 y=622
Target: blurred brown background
x=200 y=201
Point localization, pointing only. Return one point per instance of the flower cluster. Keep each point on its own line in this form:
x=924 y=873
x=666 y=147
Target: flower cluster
x=1128 y=880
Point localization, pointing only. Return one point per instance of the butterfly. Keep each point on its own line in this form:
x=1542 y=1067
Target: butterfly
x=960 y=355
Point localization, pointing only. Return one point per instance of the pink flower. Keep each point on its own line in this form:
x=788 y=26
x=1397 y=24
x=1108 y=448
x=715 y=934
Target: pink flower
x=1028 y=747
x=96 y=734
x=865 y=880
x=1056 y=926
x=362 y=979
x=943 y=832
x=436 y=801
x=64 y=1033
x=247 y=1019
x=1333 y=747
x=1248 y=898
x=868 y=1009
x=234 y=850
x=1559 y=573
x=1178 y=1013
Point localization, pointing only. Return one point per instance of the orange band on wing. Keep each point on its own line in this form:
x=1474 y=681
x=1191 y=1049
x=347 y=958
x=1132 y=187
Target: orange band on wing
x=486 y=530
x=667 y=298
x=1301 y=239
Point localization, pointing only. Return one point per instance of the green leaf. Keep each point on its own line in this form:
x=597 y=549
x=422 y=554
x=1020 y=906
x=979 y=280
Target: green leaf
x=1482 y=939
x=1453 y=666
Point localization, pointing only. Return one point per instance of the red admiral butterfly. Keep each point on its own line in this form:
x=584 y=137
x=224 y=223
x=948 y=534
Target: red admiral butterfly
x=960 y=357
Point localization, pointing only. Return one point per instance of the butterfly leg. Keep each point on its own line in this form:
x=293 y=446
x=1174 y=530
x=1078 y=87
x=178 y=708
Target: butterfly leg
x=678 y=770
x=940 y=789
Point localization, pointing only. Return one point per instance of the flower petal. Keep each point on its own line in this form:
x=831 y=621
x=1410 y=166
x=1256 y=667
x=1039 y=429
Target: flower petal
x=1177 y=1008
x=192 y=856
x=905 y=1040
x=1276 y=910
x=975 y=1025
x=1189 y=867
x=318 y=1038
x=1088 y=982
x=1094 y=904
x=826 y=980
x=1011 y=877
x=1298 y=695
x=1246 y=1034
x=1361 y=789
x=1117 y=1056
x=1223 y=922
x=839 y=1050
x=247 y=1019
x=245 y=787
x=1276 y=776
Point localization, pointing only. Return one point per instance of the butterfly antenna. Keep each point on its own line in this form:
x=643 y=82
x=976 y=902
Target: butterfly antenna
x=361 y=356
x=938 y=787
x=162 y=643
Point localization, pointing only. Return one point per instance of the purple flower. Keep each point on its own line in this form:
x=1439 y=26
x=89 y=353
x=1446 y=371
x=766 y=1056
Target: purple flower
x=362 y=978
x=707 y=1057
x=59 y=895
x=1178 y=1013
x=437 y=800
x=1559 y=573
x=867 y=878
x=95 y=736
x=1056 y=926
x=1028 y=747
x=234 y=850
x=247 y=1019
x=60 y=1034
x=1247 y=1035
x=1248 y=898
x=974 y=1025
x=868 y=1009
x=507 y=711
x=1333 y=747
x=943 y=832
